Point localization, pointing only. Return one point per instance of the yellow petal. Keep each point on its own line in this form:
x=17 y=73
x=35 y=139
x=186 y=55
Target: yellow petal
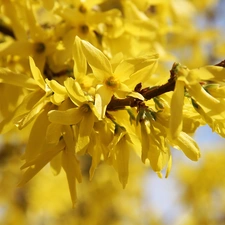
x=85 y=129
x=39 y=162
x=37 y=74
x=80 y=62
x=67 y=117
x=24 y=120
x=11 y=12
x=122 y=159
x=53 y=133
x=143 y=71
x=98 y=61
x=9 y=77
x=37 y=136
x=177 y=101
x=74 y=91
x=70 y=164
x=60 y=93
x=168 y=169
x=22 y=110
x=188 y=146
x=159 y=151
x=22 y=48
x=56 y=87
x=56 y=164
x=209 y=73
x=102 y=98
x=216 y=90
x=95 y=150
x=144 y=142
x=202 y=97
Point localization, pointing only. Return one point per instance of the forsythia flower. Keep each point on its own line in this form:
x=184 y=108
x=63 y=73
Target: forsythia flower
x=87 y=77
x=118 y=82
x=188 y=80
x=85 y=113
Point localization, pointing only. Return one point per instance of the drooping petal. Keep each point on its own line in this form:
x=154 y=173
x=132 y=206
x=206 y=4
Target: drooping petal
x=39 y=162
x=37 y=136
x=67 y=117
x=70 y=163
x=177 y=102
x=56 y=164
x=168 y=169
x=85 y=129
x=144 y=142
x=122 y=159
x=95 y=150
x=102 y=98
x=189 y=147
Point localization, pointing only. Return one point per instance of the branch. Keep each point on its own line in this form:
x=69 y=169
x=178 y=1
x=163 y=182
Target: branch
x=222 y=64
x=148 y=93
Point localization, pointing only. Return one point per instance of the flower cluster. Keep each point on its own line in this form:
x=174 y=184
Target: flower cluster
x=82 y=77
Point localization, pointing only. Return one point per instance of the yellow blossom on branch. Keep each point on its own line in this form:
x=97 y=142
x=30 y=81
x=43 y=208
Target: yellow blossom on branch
x=90 y=79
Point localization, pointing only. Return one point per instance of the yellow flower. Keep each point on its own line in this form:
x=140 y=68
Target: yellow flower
x=120 y=148
x=187 y=145
x=190 y=79
x=90 y=24
x=83 y=114
x=37 y=44
x=69 y=162
x=32 y=103
x=158 y=153
x=120 y=81
x=177 y=101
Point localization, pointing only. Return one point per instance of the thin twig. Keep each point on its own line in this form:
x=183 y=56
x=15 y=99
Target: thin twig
x=147 y=93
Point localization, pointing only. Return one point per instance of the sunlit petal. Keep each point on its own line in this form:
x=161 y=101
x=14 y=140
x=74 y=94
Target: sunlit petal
x=177 y=102
x=102 y=99
x=37 y=74
x=67 y=117
x=98 y=61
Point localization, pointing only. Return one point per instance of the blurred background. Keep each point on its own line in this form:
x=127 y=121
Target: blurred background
x=193 y=194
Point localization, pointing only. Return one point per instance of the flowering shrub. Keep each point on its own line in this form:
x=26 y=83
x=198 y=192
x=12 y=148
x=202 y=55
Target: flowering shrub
x=92 y=77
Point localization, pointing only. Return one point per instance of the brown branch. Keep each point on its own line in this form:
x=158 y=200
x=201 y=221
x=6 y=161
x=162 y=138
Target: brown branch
x=148 y=93
x=222 y=64
x=7 y=31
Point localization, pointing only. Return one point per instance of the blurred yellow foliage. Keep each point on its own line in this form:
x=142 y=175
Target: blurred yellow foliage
x=86 y=83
